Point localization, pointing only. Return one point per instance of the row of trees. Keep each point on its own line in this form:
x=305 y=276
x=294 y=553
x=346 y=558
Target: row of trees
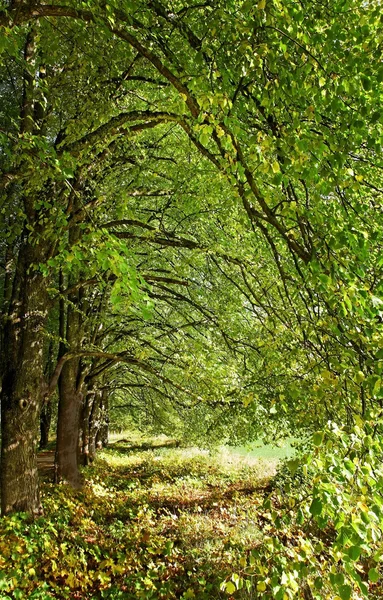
x=191 y=220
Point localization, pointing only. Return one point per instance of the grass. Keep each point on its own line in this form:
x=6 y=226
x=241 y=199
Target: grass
x=267 y=452
x=258 y=450
x=153 y=522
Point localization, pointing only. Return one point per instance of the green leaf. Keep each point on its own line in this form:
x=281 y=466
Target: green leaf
x=354 y=552
x=345 y=592
x=339 y=578
x=373 y=575
x=316 y=507
x=318 y=438
x=68 y=172
x=204 y=139
x=318 y=583
x=377 y=386
x=293 y=465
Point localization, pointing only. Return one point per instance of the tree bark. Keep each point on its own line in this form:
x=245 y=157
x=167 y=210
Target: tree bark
x=45 y=424
x=27 y=303
x=102 y=436
x=70 y=388
x=68 y=425
x=23 y=385
x=85 y=426
x=95 y=424
x=71 y=379
x=69 y=412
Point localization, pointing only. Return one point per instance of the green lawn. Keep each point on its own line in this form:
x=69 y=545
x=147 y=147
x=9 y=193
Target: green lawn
x=264 y=451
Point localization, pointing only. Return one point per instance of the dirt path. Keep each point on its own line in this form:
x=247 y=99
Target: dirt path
x=45 y=464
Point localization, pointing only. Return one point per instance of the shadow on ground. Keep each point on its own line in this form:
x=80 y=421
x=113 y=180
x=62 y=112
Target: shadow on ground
x=125 y=445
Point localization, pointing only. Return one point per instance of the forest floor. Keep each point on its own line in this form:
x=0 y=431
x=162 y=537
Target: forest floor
x=152 y=522
x=45 y=463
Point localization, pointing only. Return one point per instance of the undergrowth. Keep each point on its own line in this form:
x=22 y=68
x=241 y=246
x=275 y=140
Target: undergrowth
x=170 y=523
x=156 y=524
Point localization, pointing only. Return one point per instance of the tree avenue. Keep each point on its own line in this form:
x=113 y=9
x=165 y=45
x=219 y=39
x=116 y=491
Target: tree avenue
x=191 y=229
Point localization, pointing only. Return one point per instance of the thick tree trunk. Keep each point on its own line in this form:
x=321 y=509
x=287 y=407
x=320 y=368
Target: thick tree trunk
x=23 y=383
x=6 y=298
x=68 y=426
x=70 y=383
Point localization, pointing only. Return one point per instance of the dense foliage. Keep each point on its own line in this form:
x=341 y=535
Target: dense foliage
x=191 y=239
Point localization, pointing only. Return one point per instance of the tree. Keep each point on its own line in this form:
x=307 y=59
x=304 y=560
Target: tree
x=271 y=96
x=37 y=183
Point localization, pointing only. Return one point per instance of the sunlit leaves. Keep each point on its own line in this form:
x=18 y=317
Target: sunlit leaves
x=143 y=524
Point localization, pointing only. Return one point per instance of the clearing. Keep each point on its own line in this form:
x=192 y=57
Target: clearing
x=153 y=522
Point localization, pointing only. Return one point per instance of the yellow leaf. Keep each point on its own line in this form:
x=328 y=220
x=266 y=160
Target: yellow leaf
x=230 y=587
x=220 y=131
x=71 y=580
x=377 y=386
x=275 y=167
x=262 y=4
x=248 y=399
x=261 y=586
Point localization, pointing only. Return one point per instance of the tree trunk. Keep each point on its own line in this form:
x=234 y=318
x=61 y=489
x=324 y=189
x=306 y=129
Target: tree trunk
x=7 y=296
x=23 y=383
x=102 y=437
x=85 y=420
x=68 y=426
x=45 y=424
x=46 y=411
x=95 y=424
x=70 y=383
